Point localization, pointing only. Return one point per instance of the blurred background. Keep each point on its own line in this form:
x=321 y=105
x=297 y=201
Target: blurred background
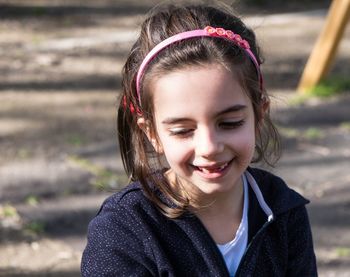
x=60 y=63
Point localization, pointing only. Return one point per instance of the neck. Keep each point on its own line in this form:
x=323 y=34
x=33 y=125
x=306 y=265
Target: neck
x=224 y=204
x=223 y=217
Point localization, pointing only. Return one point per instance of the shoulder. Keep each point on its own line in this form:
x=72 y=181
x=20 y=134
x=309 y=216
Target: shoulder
x=116 y=237
x=123 y=218
x=129 y=197
x=276 y=192
x=125 y=206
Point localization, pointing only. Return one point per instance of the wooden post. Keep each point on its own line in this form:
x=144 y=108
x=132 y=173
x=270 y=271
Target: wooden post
x=324 y=51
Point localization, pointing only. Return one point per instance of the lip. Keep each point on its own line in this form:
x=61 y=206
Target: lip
x=212 y=171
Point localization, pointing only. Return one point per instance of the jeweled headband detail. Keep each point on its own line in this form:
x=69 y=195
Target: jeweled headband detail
x=206 y=32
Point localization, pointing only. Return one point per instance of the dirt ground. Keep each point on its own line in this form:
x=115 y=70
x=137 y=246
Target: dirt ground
x=60 y=64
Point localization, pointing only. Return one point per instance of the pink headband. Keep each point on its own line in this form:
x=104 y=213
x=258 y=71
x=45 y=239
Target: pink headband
x=206 y=32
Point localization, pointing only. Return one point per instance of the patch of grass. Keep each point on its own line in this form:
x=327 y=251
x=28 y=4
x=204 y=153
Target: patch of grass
x=102 y=178
x=75 y=140
x=32 y=200
x=299 y=99
x=36 y=40
x=330 y=87
x=345 y=126
x=105 y=180
x=289 y=132
x=313 y=133
x=343 y=251
x=327 y=88
x=34 y=228
x=67 y=192
x=8 y=211
x=24 y=153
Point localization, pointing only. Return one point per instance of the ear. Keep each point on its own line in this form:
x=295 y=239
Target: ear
x=144 y=125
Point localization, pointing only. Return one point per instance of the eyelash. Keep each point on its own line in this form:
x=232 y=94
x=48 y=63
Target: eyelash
x=231 y=124
x=180 y=132
x=224 y=125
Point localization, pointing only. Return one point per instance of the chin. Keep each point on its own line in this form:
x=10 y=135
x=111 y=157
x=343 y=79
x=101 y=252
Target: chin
x=212 y=189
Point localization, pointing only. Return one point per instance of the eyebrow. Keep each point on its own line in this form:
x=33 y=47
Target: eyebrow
x=232 y=109
x=235 y=108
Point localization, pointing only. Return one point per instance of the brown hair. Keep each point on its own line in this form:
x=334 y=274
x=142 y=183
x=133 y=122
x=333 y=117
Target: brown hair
x=140 y=160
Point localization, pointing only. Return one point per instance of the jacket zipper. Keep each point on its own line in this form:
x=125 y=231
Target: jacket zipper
x=266 y=224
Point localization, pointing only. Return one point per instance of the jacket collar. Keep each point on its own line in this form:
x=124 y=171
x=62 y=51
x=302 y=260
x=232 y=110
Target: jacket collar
x=269 y=197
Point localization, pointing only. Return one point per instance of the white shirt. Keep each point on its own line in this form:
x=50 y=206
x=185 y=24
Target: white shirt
x=233 y=251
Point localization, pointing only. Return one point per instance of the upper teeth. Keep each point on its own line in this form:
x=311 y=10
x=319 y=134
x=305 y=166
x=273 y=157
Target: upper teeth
x=207 y=169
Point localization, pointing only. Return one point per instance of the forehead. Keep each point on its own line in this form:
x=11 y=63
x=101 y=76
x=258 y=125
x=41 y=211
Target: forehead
x=200 y=88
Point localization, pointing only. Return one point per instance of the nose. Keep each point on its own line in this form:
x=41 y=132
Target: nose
x=208 y=142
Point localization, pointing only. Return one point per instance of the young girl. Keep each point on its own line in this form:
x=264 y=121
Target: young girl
x=193 y=116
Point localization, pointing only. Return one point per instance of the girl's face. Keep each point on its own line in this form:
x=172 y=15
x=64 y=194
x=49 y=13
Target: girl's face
x=205 y=126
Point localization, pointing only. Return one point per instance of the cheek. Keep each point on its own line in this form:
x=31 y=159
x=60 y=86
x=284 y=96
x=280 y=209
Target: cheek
x=172 y=149
x=245 y=143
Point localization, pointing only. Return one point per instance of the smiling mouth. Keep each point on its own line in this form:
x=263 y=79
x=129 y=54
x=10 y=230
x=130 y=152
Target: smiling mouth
x=212 y=169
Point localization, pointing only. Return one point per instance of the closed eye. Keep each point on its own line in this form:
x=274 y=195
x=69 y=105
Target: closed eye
x=231 y=124
x=181 y=132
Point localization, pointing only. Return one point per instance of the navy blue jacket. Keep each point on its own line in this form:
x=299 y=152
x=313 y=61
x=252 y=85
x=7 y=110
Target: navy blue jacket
x=130 y=237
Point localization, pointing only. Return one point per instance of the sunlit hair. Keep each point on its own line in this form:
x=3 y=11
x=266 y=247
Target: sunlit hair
x=140 y=160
